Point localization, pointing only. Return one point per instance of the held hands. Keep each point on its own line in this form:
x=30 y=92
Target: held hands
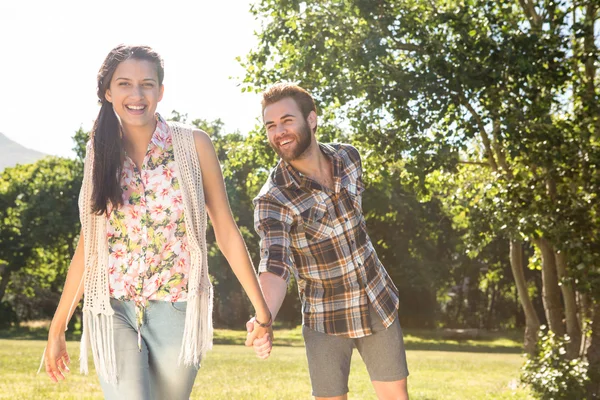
x=260 y=338
x=56 y=358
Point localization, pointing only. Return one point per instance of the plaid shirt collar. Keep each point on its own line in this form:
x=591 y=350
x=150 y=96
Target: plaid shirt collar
x=286 y=176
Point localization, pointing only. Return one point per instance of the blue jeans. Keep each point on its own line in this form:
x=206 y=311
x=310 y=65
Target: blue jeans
x=154 y=372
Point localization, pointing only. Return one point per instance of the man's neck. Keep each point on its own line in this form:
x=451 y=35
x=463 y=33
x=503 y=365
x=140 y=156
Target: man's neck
x=312 y=161
x=315 y=165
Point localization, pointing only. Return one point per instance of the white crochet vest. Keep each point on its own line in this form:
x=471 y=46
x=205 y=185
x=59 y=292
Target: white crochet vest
x=97 y=312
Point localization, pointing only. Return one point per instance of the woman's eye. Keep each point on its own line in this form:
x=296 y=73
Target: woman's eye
x=124 y=84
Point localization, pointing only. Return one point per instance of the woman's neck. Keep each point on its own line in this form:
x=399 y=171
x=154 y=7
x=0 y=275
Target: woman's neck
x=136 y=140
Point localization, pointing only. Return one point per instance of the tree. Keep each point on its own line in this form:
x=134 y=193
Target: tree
x=502 y=91
x=40 y=224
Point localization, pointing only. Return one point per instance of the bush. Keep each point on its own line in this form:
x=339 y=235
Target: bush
x=551 y=375
x=8 y=316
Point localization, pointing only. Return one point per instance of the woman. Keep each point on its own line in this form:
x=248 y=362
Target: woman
x=141 y=256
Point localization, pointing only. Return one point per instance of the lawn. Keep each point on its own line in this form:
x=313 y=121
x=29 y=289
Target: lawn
x=440 y=369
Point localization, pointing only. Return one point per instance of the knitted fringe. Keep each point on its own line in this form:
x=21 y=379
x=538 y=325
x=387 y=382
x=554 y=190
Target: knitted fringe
x=198 y=332
x=98 y=333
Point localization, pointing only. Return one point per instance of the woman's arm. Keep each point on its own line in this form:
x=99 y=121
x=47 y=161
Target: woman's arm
x=57 y=359
x=229 y=238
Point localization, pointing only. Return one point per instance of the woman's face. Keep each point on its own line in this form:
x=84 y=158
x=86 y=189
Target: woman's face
x=134 y=92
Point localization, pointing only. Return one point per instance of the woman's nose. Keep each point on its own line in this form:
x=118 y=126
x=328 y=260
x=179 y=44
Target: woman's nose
x=137 y=91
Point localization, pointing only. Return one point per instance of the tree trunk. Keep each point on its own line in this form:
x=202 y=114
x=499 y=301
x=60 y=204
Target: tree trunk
x=5 y=275
x=490 y=310
x=573 y=327
x=461 y=300
x=592 y=110
x=550 y=290
x=584 y=313
x=593 y=356
x=532 y=322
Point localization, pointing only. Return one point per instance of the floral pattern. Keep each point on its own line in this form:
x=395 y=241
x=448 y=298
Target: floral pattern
x=147 y=242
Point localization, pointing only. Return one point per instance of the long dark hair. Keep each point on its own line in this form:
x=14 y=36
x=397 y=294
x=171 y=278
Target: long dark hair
x=108 y=147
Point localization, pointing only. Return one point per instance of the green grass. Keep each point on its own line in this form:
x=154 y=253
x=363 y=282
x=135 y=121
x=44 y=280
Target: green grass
x=439 y=369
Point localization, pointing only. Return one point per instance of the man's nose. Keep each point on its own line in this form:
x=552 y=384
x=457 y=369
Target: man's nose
x=280 y=130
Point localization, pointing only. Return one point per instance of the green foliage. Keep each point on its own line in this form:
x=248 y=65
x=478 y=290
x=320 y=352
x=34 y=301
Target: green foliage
x=413 y=239
x=40 y=222
x=443 y=84
x=491 y=107
x=551 y=375
x=81 y=138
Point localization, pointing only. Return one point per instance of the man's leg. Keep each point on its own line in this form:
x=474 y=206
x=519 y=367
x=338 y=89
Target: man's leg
x=384 y=355
x=395 y=390
x=328 y=363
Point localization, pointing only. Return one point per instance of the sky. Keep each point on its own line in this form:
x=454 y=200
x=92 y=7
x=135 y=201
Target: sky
x=50 y=53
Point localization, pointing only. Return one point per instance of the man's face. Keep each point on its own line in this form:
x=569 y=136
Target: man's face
x=288 y=131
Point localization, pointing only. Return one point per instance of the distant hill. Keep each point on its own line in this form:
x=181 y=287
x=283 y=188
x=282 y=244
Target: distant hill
x=12 y=153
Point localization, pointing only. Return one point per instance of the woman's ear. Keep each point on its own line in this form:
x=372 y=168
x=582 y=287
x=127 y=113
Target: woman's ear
x=161 y=92
x=108 y=96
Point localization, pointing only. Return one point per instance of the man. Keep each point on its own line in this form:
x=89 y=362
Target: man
x=309 y=217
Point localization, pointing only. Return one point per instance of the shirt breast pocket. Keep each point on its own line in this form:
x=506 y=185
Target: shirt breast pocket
x=316 y=223
x=355 y=189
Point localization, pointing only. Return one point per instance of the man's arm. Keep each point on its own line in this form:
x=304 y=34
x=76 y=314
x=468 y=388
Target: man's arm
x=273 y=222
x=275 y=288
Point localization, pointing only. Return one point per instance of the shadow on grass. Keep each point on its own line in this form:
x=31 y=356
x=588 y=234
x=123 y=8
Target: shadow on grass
x=464 y=347
x=26 y=333
x=506 y=342
x=421 y=340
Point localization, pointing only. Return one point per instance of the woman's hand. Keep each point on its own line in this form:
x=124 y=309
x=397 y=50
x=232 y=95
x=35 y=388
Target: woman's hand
x=260 y=338
x=56 y=357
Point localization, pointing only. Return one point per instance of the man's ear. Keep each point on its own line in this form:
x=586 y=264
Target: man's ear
x=312 y=120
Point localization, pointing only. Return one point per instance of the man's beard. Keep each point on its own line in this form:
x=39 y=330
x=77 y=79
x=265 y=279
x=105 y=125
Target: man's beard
x=304 y=139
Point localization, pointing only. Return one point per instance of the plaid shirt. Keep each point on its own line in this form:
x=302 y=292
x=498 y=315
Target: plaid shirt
x=320 y=236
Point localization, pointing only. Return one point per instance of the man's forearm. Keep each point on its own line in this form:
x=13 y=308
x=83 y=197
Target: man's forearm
x=274 y=289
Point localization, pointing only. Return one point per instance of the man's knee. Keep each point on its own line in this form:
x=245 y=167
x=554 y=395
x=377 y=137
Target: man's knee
x=394 y=390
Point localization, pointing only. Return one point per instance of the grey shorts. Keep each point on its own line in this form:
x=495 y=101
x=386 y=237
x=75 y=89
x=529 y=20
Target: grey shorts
x=329 y=357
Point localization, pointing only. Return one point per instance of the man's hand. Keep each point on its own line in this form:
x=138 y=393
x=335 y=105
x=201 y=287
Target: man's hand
x=260 y=338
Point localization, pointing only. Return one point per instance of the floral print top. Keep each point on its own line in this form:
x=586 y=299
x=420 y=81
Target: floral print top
x=147 y=242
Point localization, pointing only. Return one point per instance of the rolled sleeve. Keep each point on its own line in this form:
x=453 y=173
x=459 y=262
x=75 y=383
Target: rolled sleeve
x=272 y=222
